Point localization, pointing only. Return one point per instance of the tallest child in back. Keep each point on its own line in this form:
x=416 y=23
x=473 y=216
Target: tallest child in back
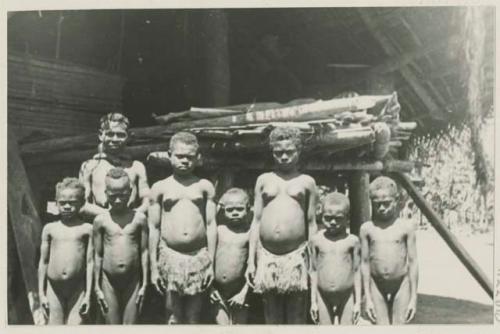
x=183 y=232
x=284 y=221
x=113 y=137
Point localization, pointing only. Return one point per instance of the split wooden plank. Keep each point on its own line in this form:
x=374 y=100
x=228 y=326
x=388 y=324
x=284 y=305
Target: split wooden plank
x=26 y=225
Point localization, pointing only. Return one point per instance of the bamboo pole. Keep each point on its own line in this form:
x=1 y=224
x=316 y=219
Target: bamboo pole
x=447 y=236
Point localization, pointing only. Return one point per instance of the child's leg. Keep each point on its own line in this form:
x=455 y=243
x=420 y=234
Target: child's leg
x=380 y=304
x=401 y=300
x=345 y=310
x=113 y=316
x=192 y=308
x=325 y=312
x=221 y=315
x=296 y=308
x=56 y=308
x=239 y=315
x=177 y=308
x=274 y=310
x=74 y=303
x=129 y=300
x=169 y=315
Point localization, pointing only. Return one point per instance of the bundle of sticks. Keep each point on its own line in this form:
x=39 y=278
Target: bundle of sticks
x=369 y=125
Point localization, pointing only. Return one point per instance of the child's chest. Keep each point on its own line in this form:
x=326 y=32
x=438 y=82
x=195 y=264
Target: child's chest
x=70 y=234
x=393 y=234
x=276 y=186
x=126 y=226
x=175 y=193
x=339 y=248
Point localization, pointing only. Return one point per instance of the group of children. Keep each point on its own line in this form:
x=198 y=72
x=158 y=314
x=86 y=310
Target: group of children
x=190 y=249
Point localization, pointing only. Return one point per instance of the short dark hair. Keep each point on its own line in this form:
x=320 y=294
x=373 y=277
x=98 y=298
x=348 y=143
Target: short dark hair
x=383 y=182
x=71 y=183
x=118 y=173
x=113 y=117
x=336 y=198
x=281 y=133
x=184 y=137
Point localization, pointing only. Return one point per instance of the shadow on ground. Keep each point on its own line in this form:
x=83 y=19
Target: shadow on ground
x=445 y=310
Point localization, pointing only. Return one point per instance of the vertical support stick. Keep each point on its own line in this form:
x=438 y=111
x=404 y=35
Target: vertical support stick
x=58 y=36
x=225 y=181
x=360 y=200
x=447 y=236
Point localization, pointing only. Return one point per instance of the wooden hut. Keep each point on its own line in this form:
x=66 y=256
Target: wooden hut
x=67 y=68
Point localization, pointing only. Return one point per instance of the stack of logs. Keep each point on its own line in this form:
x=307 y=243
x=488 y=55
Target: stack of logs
x=338 y=134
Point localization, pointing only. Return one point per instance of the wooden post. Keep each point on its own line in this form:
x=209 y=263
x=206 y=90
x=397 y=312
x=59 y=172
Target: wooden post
x=215 y=48
x=26 y=225
x=447 y=236
x=359 y=182
x=225 y=181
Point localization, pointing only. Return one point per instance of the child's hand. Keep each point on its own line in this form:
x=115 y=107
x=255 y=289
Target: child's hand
x=314 y=312
x=250 y=274
x=209 y=278
x=215 y=296
x=370 y=310
x=101 y=301
x=238 y=300
x=356 y=312
x=85 y=305
x=411 y=310
x=45 y=305
x=140 y=297
x=157 y=281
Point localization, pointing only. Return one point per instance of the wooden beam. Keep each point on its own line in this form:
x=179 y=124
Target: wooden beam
x=445 y=233
x=26 y=225
x=412 y=80
x=393 y=64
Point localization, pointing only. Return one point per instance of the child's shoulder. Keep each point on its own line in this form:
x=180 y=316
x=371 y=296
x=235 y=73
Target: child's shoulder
x=366 y=226
x=353 y=238
x=407 y=224
x=308 y=178
x=140 y=216
x=137 y=164
x=206 y=183
x=162 y=183
x=49 y=226
x=318 y=237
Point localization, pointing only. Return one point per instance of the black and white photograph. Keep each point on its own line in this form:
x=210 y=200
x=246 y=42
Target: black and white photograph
x=251 y=165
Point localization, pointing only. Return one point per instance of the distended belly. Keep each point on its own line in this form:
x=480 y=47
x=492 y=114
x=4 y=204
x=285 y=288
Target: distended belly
x=282 y=226
x=183 y=227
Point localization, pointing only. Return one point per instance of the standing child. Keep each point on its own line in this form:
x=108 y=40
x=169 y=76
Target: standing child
x=182 y=212
x=335 y=279
x=389 y=258
x=113 y=136
x=230 y=290
x=121 y=253
x=284 y=221
x=66 y=264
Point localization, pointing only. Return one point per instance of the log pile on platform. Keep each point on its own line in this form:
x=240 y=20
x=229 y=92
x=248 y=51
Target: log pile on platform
x=355 y=133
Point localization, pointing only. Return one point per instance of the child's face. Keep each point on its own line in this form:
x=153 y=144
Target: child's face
x=114 y=138
x=183 y=158
x=335 y=217
x=286 y=154
x=118 y=193
x=384 y=205
x=235 y=210
x=69 y=202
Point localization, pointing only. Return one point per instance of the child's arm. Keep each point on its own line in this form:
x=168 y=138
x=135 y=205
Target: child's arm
x=413 y=272
x=42 y=268
x=85 y=176
x=365 y=271
x=144 y=261
x=98 y=253
x=356 y=261
x=142 y=188
x=211 y=227
x=311 y=209
x=84 y=308
x=314 y=284
x=254 y=231
x=154 y=220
